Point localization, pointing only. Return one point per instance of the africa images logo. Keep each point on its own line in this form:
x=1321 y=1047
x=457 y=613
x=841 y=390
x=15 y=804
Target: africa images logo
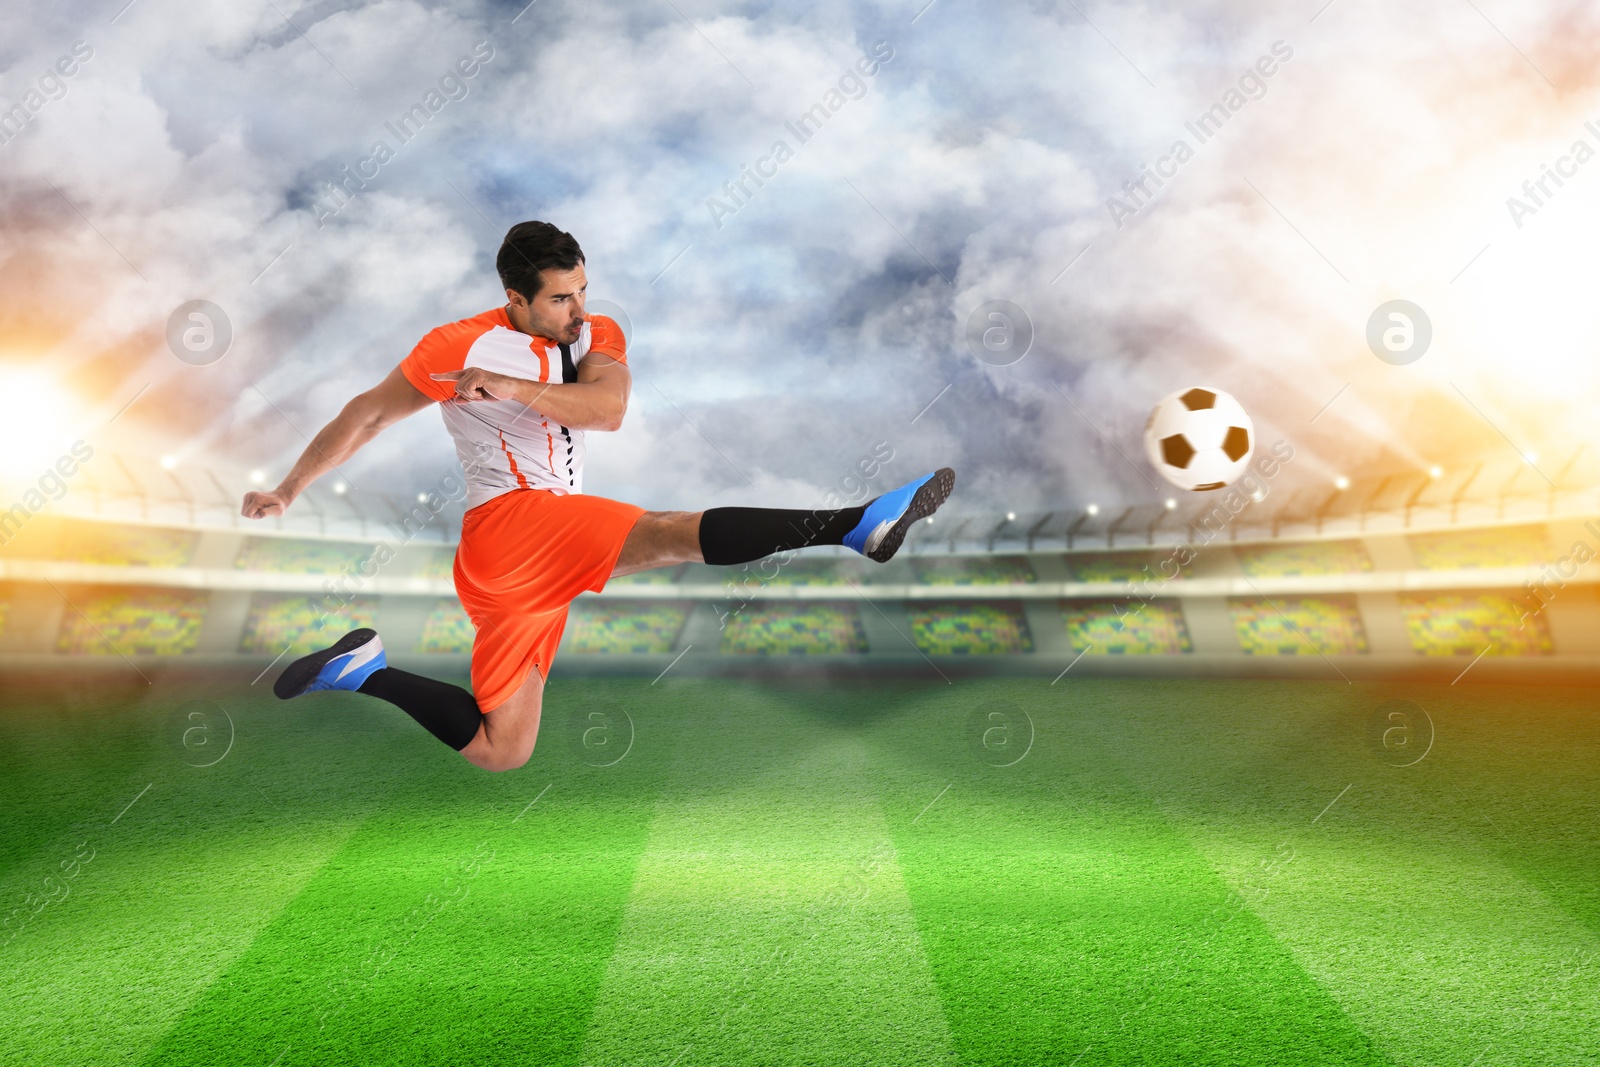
x=1537 y=192
x=850 y=86
x=1252 y=85
x=52 y=485
x=452 y=86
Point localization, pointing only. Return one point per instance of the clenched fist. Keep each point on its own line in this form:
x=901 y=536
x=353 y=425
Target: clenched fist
x=265 y=505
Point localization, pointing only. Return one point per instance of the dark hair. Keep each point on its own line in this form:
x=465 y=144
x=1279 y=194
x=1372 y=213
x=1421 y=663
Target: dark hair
x=531 y=247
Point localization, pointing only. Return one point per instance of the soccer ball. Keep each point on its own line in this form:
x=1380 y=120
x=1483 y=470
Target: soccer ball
x=1199 y=438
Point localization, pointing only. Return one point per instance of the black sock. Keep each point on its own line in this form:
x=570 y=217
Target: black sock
x=446 y=711
x=739 y=535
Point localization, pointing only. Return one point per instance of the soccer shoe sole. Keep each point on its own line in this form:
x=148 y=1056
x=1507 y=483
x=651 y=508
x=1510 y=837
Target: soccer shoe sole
x=924 y=502
x=303 y=671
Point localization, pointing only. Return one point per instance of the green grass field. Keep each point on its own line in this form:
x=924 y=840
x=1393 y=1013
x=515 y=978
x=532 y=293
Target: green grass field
x=887 y=872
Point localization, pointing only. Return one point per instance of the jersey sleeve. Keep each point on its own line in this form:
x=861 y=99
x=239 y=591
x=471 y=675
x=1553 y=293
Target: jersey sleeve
x=605 y=338
x=436 y=353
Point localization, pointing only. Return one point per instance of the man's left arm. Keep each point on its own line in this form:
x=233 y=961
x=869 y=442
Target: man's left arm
x=596 y=401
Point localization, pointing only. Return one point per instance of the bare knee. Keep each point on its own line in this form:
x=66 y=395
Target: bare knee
x=505 y=739
x=503 y=757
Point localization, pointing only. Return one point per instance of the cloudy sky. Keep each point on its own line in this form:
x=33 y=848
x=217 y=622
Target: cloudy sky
x=778 y=335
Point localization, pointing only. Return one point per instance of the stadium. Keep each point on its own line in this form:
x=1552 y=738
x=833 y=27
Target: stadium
x=1037 y=535
x=1391 y=578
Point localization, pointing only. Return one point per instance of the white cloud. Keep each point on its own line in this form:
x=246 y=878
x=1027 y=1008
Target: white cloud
x=809 y=324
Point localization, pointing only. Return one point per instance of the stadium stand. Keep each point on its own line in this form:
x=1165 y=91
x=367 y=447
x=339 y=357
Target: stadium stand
x=659 y=576
x=797 y=571
x=1465 y=624
x=295 y=556
x=1120 y=567
x=972 y=570
x=625 y=626
x=125 y=546
x=968 y=628
x=447 y=629
x=301 y=623
x=814 y=628
x=150 y=622
x=1123 y=628
x=1432 y=580
x=1509 y=546
x=1298 y=626
x=437 y=563
x=1304 y=558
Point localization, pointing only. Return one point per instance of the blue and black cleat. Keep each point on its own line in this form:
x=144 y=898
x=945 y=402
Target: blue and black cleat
x=344 y=665
x=888 y=518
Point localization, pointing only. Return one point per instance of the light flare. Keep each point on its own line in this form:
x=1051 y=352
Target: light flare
x=37 y=421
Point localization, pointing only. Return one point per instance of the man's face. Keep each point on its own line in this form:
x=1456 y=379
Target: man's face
x=556 y=311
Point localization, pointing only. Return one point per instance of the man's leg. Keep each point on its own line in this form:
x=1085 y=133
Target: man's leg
x=505 y=739
x=660 y=539
x=358 y=663
x=729 y=536
x=497 y=740
x=726 y=536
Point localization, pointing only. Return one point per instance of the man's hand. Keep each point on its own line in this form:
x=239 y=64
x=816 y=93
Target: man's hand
x=475 y=383
x=264 y=505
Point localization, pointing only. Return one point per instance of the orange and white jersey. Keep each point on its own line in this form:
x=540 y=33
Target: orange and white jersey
x=504 y=444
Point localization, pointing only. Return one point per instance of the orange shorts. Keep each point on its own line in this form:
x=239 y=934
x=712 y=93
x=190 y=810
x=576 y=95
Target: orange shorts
x=524 y=556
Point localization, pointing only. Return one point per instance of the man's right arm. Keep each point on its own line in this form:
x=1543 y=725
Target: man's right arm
x=362 y=419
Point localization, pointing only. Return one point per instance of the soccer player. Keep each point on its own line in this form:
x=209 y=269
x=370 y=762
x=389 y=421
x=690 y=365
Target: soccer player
x=518 y=387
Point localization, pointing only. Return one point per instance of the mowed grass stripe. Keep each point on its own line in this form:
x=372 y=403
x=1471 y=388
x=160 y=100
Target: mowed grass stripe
x=471 y=941
x=1518 y=768
x=118 y=964
x=1441 y=935
x=458 y=925
x=67 y=765
x=1439 y=952
x=768 y=923
x=177 y=887
x=1066 y=919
